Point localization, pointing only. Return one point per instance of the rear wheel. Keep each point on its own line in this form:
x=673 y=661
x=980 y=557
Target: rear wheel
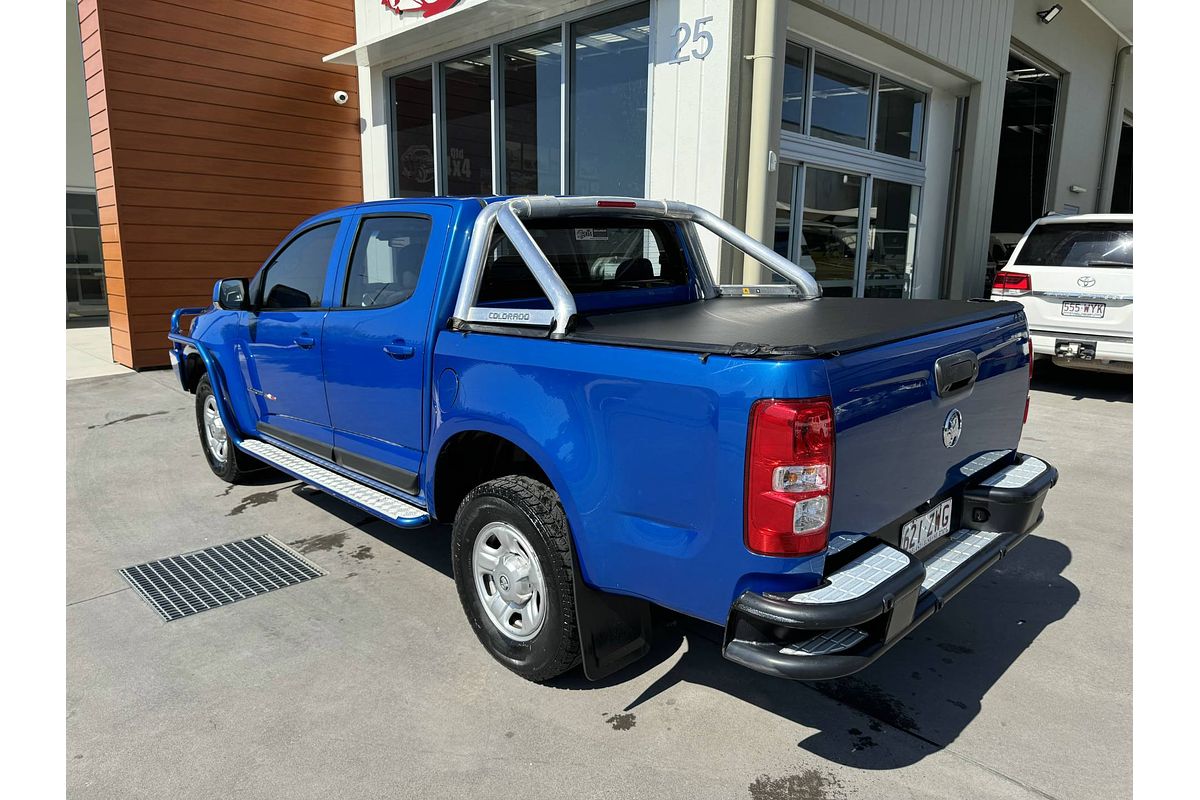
x=514 y=571
x=226 y=461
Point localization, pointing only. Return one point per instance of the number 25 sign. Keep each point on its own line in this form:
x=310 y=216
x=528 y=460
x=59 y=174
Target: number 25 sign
x=691 y=34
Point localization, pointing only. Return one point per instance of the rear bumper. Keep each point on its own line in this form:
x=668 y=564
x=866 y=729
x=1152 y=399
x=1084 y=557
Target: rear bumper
x=1108 y=349
x=880 y=594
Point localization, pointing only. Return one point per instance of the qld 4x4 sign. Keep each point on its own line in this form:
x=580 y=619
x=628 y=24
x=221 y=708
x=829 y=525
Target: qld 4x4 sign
x=428 y=8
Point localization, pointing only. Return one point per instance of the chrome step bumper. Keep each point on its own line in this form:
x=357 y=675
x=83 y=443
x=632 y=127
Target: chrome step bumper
x=386 y=506
x=881 y=594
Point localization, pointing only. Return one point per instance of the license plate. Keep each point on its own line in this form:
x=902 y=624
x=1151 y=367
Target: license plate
x=1073 y=309
x=933 y=524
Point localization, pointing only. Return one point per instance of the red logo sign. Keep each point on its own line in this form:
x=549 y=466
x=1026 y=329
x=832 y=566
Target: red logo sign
x=428 y=8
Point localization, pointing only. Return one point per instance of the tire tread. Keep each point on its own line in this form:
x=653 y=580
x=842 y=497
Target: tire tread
x=541 y=506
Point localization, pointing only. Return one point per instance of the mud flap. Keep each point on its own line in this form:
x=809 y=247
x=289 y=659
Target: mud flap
x=614 y=629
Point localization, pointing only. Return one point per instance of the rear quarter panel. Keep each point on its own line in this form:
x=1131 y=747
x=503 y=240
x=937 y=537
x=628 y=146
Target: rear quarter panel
x=646 y=449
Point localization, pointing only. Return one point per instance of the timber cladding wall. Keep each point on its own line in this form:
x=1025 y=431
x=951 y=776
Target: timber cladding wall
x=213 y=134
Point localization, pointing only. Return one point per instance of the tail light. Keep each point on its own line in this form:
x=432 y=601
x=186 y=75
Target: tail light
x=789 y=476
x=1012 y=284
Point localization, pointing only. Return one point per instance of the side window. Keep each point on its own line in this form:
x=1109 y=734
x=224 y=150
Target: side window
x=296 y=278
x=387 y=261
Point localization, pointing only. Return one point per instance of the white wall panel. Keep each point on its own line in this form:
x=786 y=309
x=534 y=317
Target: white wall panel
x=689 y=153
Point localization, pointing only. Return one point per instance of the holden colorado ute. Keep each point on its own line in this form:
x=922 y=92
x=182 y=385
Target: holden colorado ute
x=607 y=429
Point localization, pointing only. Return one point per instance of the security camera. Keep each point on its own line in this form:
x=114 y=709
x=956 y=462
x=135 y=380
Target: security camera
x=341 y=98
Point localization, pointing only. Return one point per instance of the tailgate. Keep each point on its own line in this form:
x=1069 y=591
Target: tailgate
x=890 y=455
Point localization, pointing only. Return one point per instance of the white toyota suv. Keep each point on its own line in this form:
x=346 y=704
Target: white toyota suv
x=1074 y=275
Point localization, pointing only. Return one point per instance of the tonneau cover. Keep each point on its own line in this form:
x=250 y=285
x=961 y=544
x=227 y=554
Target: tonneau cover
x=775 y=329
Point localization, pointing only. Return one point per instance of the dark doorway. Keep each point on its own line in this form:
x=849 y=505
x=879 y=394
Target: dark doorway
x=1122 y=197
x=1026 y=142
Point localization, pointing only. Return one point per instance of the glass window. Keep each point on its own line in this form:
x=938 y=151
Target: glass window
x=900 y=120
x=81 y=210
x=387 y=261
x=83 y=246
x=412 y=134
x=590 y=254
x=296 y=278
x=85 y=273
x=795 y=84
x=1069 y=244
x=85 y=292
x=830 y=230
x=841 y=101
x=783 y=211
x=532 y=114
x=467 y=158
x=891 y=239
x=610 y=57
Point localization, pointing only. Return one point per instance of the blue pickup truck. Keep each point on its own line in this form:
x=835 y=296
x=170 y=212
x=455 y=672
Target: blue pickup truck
x=607 y=429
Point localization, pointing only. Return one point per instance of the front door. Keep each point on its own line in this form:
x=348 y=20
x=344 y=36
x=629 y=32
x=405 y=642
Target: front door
x=283 y=341
x=375 y=343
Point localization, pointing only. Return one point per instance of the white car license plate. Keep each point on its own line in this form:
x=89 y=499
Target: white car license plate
x=1073 y=309
x=933 y=524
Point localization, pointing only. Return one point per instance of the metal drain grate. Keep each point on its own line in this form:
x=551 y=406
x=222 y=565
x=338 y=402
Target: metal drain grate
x=217 y=576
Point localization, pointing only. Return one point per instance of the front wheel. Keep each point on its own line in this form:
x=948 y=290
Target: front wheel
x=226 y=461
x=513 y=567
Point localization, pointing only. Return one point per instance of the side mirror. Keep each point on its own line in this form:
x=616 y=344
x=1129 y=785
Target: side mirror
x=231 y=294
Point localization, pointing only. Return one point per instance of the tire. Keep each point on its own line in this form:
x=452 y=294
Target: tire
x=511 y=541
x=230 y=464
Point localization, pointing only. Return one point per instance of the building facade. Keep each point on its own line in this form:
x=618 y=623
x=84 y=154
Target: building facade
x=212 y=135
x=895 y=149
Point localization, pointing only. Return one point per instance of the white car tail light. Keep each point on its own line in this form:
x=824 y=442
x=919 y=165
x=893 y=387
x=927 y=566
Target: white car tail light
x=1012 y=284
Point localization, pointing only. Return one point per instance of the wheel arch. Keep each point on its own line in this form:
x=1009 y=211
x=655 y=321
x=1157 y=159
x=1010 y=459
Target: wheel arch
x=471 y=456
x=193 y=370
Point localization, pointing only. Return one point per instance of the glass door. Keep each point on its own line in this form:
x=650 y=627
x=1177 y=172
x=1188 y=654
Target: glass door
x=854 y=248
x=891 y=239
x=830 y=228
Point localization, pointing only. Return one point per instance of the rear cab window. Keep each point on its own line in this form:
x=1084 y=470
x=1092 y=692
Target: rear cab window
x=604 y=262
x=1077 y=244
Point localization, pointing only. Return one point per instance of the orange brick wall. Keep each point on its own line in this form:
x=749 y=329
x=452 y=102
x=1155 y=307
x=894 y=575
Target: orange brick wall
x=213 y=135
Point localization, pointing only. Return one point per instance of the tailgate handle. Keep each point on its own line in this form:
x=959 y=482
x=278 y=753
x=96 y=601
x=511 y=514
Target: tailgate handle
x=955 y=372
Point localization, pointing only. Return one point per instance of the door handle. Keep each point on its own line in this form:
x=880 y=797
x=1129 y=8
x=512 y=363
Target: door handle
x=305 y=342
x=399 y=350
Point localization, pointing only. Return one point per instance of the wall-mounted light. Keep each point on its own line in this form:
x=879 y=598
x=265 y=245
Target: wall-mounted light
x=1050 y=13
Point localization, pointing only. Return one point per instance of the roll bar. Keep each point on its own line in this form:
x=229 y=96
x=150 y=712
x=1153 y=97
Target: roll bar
x=510 y=213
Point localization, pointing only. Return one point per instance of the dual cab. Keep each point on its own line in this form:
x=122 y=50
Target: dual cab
x=606 y=429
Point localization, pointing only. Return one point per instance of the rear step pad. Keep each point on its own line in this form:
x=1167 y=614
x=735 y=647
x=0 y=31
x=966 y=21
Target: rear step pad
x=390 y=508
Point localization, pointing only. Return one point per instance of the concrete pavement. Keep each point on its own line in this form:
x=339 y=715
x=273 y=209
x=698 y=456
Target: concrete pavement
x=369 y=683
x=89 y=353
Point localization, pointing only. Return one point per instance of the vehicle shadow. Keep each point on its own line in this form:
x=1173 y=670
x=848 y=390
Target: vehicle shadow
x=930 y=685
x=429 y=545
x=1081 y=384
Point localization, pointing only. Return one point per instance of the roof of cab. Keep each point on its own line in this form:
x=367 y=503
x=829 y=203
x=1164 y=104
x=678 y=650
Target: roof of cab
x=394 y=203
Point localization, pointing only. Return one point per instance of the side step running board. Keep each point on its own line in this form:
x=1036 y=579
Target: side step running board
x=393 y=509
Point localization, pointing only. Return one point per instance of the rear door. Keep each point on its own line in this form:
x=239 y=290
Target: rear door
x=1081 y=276
x=282 y=339
x=375 y=343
